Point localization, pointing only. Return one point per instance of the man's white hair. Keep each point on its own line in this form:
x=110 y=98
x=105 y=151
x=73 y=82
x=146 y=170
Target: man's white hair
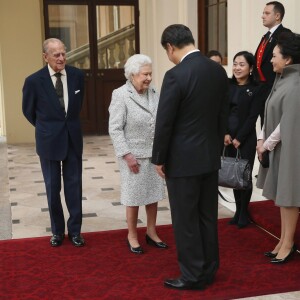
x=51 y=41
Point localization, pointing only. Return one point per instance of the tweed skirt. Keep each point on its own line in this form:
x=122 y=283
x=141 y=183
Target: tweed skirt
x=143 y=188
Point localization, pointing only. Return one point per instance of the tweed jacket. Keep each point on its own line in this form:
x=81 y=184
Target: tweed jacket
x=132 y=121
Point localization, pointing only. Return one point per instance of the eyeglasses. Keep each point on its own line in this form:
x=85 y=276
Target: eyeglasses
x=57 y=55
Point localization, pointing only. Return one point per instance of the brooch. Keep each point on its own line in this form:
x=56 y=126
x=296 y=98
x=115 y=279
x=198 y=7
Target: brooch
x=249 y=92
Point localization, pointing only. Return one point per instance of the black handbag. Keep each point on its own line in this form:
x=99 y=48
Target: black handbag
x=235 y=172
x=265 y=162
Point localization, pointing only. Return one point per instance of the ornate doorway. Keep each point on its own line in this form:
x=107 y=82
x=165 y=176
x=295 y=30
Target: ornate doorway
x=100 y=35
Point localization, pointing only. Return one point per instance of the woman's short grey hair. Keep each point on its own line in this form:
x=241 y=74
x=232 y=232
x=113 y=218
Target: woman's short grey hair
x=135 y=63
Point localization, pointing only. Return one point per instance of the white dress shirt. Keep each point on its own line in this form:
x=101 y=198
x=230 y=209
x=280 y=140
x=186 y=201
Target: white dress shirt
x=64 y=82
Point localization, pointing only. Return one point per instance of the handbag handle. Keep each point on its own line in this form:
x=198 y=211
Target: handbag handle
x=238 y=153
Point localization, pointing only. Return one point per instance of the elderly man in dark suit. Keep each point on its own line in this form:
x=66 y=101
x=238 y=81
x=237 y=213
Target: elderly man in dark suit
x=272 y=17
x=52 y=100
x=190 y=128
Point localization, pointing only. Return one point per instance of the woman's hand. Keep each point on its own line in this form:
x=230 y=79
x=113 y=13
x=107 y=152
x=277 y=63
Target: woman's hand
x=260 y=149
x=160 y=171
x=132 y=163
x=227 y=140
x=236 y=143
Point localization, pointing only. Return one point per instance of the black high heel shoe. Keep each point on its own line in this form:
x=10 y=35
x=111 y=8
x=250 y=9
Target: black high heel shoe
x=135 y=250
x=285 y=259
x=161 y=245
x=270 y=254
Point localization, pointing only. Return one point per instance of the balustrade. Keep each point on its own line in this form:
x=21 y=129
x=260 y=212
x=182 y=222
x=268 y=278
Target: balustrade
x=113 y=50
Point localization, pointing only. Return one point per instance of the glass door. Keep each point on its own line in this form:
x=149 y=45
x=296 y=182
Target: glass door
x=116 y=42
x=99 y=35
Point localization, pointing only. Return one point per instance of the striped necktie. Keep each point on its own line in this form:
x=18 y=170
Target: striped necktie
x=60 y=90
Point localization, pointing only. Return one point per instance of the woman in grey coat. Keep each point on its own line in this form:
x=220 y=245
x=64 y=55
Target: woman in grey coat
x=280 y=136
x=131 y=127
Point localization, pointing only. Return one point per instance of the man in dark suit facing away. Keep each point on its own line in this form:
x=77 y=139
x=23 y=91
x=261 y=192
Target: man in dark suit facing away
x=189 y=135
x=52 y=100
x=272 y=17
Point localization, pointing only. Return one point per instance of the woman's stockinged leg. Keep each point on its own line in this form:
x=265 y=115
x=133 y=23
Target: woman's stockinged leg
x=278 y=246
x=151 y=211
x=289 y=216
x=244 y=214
x=237 y=198
x=132 y=216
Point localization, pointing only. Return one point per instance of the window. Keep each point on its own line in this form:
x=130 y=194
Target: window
x=212 y=26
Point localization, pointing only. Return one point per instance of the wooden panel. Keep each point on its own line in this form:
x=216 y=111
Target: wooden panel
x=106 y=82
x=99 y=83
x=88 y=115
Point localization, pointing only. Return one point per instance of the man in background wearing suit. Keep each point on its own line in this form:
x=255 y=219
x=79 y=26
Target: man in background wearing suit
x=52 y=100
x=272 y=17
x=189 y=135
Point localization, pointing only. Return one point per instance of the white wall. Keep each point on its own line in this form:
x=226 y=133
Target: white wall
x=245 y=26
x=155 y=16
x=2 y=107
x=21 y=54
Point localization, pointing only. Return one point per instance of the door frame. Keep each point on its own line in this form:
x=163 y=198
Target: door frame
x=95 y=106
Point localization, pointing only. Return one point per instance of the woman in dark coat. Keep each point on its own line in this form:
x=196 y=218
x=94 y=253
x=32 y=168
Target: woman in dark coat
x=241 y=131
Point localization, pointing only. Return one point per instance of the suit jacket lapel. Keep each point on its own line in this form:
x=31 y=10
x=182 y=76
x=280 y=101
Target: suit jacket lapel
x=153 y=99
x=141 y=102
x=71 y=88
x=271 y=42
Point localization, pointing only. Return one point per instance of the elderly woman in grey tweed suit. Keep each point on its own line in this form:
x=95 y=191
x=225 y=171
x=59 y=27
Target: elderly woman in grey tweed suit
x=131 y=127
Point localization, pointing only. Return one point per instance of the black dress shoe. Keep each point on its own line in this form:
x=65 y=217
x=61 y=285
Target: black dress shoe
x=136 y=250
x=285 y=259
x=270 y=254
x=161 y=245
x=57 y=239
x=77 y=240
x=233 y=221
x=242 y=225
x=180 y=284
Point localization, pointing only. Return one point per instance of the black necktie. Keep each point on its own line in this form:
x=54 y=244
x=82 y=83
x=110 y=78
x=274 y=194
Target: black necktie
x=266 y=36
x=59 y=90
